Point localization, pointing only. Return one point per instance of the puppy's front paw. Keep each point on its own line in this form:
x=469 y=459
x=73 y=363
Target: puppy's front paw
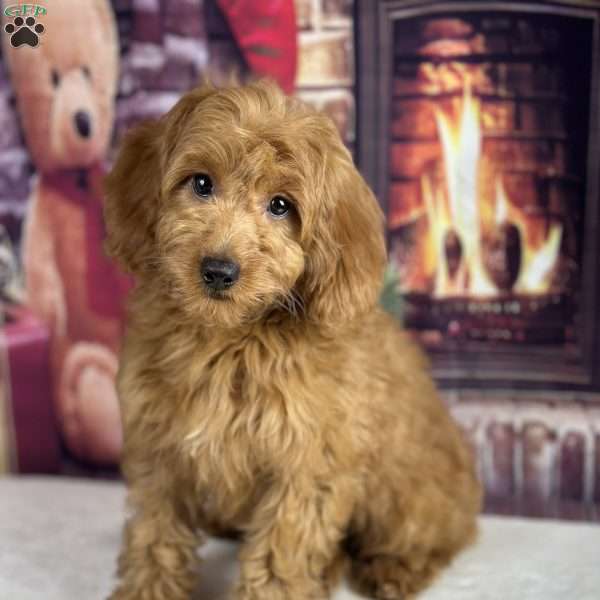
x=150 y=590
x=123 y=594
x=130 y=593
x=271 y=590
x=276 y=589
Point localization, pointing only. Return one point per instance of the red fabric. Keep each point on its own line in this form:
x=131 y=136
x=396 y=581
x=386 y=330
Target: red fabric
x=266 y=33
x=107 y=286
x=26 y=341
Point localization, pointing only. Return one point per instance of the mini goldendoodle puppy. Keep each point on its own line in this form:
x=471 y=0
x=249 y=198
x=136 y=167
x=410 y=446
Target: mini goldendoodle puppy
x=264 y=392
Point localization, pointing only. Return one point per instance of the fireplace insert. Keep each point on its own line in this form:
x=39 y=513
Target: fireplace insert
x=478 y=130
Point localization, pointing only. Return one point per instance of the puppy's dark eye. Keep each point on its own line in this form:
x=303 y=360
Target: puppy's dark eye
x=86 y=72
x=202 y=184
x=279 y=207
x=55 y=77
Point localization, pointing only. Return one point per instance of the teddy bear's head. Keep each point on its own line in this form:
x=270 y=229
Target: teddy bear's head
x=65 y=83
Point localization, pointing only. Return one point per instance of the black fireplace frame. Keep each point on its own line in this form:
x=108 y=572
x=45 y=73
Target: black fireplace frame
x=516 y=366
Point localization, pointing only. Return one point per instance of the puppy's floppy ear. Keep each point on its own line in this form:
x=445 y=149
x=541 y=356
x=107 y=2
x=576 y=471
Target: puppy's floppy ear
x=133 y=187
x=132 y=197
x=346 y=256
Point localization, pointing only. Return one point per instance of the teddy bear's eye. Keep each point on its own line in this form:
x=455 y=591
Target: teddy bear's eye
x=86 y=72
x=55 y=77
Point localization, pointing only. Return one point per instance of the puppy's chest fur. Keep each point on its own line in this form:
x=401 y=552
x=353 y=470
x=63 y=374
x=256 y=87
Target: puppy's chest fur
x=251 y=409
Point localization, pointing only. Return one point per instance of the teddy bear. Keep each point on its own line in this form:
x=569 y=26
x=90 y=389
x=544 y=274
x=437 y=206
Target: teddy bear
x=65 y=85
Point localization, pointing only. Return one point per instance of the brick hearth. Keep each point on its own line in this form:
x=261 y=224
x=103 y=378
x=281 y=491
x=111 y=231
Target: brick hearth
x=536 y=456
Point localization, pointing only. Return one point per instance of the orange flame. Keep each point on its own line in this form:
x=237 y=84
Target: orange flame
x=457 y=211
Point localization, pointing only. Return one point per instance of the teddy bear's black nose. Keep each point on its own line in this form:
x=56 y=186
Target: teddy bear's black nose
x=83 y=124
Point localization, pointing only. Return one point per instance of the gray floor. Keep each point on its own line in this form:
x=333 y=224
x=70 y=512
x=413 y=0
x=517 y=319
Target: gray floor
x=59 y=539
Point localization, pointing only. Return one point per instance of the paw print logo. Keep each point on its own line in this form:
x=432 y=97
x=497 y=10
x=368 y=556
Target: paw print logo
x=24 y=31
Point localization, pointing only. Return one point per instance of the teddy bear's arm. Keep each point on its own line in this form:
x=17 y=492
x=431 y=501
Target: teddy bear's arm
x=44 y=288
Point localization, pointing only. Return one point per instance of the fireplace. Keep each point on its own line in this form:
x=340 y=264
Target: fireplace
x=478 y=130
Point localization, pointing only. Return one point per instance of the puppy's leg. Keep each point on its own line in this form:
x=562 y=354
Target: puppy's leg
x=292 y=547
x=398 y=547
x=390 y=577
x=158 y=560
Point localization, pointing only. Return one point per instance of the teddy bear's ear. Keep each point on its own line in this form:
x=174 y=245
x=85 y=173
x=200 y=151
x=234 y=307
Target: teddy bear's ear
x=106 y=25
x=132 y=196
x=105 y=20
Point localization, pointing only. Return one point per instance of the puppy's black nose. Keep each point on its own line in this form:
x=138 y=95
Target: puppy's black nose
x=83 y=124
x=219 y=274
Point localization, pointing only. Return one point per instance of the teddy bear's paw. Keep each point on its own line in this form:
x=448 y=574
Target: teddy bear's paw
x=24 y=31
x=88 y=404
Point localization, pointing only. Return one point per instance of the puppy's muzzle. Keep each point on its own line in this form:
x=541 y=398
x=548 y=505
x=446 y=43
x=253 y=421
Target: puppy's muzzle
x=218 y=274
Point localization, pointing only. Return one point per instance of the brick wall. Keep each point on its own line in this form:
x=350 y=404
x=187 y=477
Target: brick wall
x=325 y=60
x=164 y=52
x=165 y=56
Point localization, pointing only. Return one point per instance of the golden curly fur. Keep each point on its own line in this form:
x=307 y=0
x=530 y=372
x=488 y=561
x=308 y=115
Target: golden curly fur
x=290 y=409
